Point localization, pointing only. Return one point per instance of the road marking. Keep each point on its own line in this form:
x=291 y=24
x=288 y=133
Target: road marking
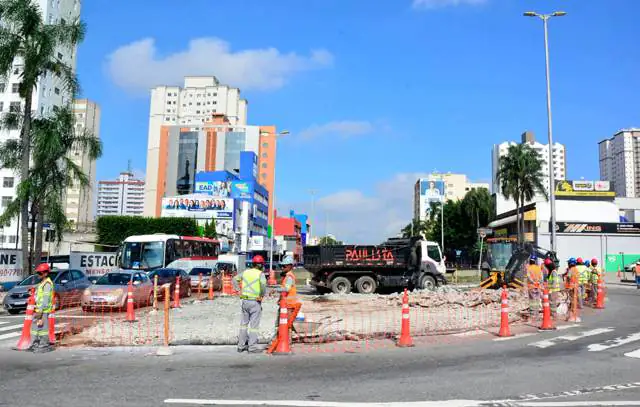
x=554 y=341
x=475 y=332
x=634 y=354
x=10 y=327
x=563 y=327
x=5 y=322
x=309 y=403
x=508 y=338
x=597 y=347
x=10 y=335
x=576 y=403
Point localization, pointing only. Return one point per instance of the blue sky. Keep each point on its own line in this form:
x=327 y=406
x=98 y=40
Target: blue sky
x=373 y=95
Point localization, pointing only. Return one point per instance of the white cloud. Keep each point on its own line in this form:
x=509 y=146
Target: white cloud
x=432 y=4
x=343 y=128
x=358 y=217
x=138 y=66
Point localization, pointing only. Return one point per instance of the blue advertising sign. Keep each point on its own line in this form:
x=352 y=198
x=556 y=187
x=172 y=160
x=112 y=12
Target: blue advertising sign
x=215 y=188
x=241 y=190
x=432 y=191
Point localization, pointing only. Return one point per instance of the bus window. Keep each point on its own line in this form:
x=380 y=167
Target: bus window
x=197 y=248
x=187 y=248
x=170 y=254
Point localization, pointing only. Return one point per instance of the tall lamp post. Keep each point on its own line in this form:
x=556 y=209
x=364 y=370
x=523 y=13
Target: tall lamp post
x=552 y=194
x=272 y=198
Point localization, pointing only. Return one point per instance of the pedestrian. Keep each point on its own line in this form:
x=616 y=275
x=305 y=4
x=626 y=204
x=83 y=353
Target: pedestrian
x=553 y=281
x=254 y=286
x=637 y=268
x=596 y=275
x=289 y=286
x=44 y=306
x=583 y=279
x=534 y=279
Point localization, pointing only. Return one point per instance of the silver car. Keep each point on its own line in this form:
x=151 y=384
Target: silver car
x=110 y=291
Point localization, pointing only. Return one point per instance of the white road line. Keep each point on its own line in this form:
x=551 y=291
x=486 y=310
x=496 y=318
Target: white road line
x=634 y=354
x=10 y=327
x=475 y=332
x=508 y=338
x=597 y=347
x=576 y=403
x=5 y=322
x=10 y=335
x=563 y=327
x=309 y=403
x=554 y=341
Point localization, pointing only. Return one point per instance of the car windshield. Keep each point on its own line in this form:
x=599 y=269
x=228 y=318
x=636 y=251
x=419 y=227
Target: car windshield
x=144 y=256
x=34 y=279
x=114 y=279
x=200 y=270
x=162 y=273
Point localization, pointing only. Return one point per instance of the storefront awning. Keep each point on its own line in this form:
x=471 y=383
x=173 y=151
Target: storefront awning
x=504 y=221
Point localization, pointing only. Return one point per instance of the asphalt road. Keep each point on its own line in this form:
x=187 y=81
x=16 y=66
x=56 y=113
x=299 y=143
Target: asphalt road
x=593 y=360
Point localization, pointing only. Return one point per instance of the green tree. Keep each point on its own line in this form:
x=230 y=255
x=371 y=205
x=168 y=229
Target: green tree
x=415 y=228
x=329 y=241
x=210 y=229
x=520 y=177
x=26 y=39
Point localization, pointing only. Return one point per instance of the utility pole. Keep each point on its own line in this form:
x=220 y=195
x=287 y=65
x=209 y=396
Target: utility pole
x=313 y=193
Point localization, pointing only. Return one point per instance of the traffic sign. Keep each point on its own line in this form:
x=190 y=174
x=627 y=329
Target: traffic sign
x=484 y=232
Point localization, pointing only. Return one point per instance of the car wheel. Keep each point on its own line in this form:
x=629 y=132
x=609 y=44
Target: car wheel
x=13 y=311
x=428 y=283
x=341 y=285
x=366 y=285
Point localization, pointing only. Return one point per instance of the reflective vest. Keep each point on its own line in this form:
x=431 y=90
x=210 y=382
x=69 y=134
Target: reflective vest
x=554 y=282
x=534 y=273
x=251 y=288
x=583 y=277
x=292 y=293
x=41 y=305
x=572 y=275
x=595 y=275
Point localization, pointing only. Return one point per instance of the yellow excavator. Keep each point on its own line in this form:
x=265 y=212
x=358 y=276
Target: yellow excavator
x=505 y=261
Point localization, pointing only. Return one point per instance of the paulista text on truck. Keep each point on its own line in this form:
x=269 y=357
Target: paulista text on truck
x=398 y=262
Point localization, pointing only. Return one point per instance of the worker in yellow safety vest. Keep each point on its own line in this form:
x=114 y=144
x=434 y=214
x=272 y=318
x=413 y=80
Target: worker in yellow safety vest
x=596 y=274
x=289 y=286
x=44 y=306
x=583 y=280
x=254 y=286
x=553 y=282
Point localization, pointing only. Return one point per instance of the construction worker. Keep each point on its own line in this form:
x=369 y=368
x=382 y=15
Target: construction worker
x=44 y=306
x=289 y=286
x=637 y=269
x=553 y=282
x=583 y=280
x=595 y=278
x=571 y=280
x=254 y=286
x=587 y=285
x=534 y=281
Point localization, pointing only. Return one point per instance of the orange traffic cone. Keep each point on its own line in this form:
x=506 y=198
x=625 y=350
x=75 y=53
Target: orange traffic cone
x=600 y=298
x=176 y=294
x=25 y=339
x=272 y=278
x=52 y=323
x=547 y=324
x=405 y=329
x=211 y=287
x=283 y=347
x=131 y=317
x=504 y=314
x=227 y=288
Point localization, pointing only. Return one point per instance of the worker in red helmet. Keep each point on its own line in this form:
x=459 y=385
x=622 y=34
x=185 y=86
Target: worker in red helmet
x=44 y=306
x=553 y=282
x=254 y=286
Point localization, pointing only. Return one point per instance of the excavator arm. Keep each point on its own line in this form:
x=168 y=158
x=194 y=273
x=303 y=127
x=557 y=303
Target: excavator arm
x=510 y=275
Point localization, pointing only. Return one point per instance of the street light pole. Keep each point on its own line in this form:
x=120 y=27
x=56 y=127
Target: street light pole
x=552 y=193
x=313 y=212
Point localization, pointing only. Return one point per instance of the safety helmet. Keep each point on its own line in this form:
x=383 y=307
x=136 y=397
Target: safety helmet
x=43 y=268
x=287 y=261
x=594 y=262
x=572 y=261
x=587 y=263
x=579 y=260
x=257 y=259
x=548 y=262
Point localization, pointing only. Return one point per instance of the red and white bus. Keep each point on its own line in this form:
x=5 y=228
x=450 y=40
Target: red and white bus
x=149 y=252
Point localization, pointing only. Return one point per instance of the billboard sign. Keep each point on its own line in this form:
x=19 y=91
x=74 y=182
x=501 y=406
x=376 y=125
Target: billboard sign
x=432 y=191
x=220 y=189
x=566 y=189
x=614 y=228
x=197 y=206
x=242 y=190
x=10 y=267
x=93 y=263
x=257 y=243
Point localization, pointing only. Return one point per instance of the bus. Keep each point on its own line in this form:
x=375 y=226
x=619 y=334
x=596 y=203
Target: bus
x=150 y=252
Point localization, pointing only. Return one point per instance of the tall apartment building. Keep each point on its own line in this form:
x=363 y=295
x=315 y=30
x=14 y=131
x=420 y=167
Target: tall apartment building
x=200 y=127
x=79 y=201
x=124 y=196
x=49 y=92
x=454 y=188
x=620 y=162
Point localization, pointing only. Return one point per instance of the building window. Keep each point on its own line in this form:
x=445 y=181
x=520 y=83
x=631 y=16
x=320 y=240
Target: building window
x=264 y=165
x=60 y=55
x=14 y=107
x=6 y=200
x=12 y=239
x=264 y=155
x=2 y=86
x=15 y=87
x=7 y=182
x=57 y=91
x=265 y=145
x=1 y=106
x=263 y=175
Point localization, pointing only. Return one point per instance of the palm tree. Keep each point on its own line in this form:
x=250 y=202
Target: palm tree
x=52 y=141
x=26 y=39
x=520 y=177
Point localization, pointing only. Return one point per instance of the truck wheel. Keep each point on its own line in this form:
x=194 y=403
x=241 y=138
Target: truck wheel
x=366 y=285
x=428 y=283
x=341 y=285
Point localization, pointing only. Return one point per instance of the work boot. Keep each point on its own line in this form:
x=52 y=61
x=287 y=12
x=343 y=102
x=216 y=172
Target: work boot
x=43 y=349
x=240 y=350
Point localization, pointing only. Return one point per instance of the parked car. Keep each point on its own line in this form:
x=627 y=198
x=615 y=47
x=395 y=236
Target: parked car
x=110 y=291
x=68 y=288
x=197 y=285
x=169 y=276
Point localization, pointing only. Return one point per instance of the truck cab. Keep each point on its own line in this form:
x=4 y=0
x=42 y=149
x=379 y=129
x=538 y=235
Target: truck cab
x=432 y=269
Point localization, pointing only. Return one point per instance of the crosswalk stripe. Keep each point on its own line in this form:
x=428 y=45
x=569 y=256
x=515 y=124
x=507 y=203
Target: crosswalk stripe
x=569 y=338
x=634 y=354
x=10 y=335
x=4 y=322
x=10 y=327
x=597 y=347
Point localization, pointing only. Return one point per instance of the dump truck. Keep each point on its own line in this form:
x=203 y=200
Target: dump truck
x=399 y=262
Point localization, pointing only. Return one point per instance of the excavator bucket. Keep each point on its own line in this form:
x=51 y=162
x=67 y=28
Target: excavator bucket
x=516 y=284
x=490 y=282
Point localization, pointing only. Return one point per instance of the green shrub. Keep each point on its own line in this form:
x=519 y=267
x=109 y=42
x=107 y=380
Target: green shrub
x=112 y=230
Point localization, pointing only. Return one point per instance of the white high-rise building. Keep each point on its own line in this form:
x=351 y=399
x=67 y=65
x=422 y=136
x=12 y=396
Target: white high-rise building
x=124 y=196
x=79 y=201
x=49 y=92
x=559 y=165
x=620 y=162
